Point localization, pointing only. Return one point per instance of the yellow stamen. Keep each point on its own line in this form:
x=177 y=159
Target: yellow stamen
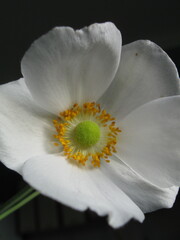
x=73 y=152
x=108 y=161
x=56 y=144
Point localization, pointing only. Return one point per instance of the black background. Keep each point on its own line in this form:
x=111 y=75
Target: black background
x=21 y=22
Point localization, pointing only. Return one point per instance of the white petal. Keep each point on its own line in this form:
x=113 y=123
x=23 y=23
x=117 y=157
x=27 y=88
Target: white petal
x=147 y=196
x=26 y=129
x=150 y=141
x=145 y=73
x=80 y=188
x=65 y=66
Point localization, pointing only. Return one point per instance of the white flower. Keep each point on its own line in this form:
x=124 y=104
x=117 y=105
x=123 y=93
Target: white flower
x=120 y=168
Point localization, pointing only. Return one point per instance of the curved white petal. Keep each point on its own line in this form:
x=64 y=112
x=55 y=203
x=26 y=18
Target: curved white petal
x=145 y=73
x=26 y=129
x=64 y=66
x=80 y=188
x=150 y=141
x=147 y=196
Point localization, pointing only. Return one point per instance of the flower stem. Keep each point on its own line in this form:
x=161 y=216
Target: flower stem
x=19 y=200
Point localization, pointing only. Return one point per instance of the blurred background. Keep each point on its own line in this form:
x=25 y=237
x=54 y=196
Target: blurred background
x=21 y=22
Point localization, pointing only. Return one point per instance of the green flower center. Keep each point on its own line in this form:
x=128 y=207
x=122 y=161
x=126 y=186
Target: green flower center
x=86 y=134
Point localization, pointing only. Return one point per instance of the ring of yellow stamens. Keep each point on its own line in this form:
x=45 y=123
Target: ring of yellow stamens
x=88 y=114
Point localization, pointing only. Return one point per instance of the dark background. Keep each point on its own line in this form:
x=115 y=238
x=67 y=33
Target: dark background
x=21 y=22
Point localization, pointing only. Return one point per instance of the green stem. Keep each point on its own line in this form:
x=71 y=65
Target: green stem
x=18 y=197
x=17 y=201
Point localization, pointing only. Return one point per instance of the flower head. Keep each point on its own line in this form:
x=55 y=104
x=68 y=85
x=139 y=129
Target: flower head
x=95 y=126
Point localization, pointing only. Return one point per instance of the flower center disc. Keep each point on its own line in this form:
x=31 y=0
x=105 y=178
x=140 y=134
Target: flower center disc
x=86 y=134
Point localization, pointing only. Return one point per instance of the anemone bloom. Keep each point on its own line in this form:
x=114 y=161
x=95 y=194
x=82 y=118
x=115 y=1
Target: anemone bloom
x=93 y=125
